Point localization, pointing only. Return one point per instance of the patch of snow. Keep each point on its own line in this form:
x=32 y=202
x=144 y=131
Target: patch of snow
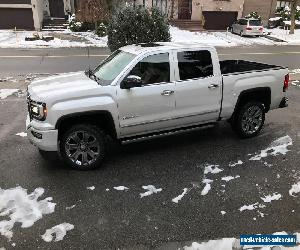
x=277 y=147
x=22 y=134
x=58 y=232
x=248 y=207
x=179 y=197
x=13 y=39
x=235 y=164
x=295 y=71
x=92 y=188
x=275 y=18
x=107 y=189
x=207 y=187
x=4 y=93
x=222 y=244
x=295 y=189
x=22 y=208
x=151 y=190
x=213 y=169
x=270 y=198
x=223 y=212
x=121 y=188
x=71 y=207
x=284 y=35
x=229 y=178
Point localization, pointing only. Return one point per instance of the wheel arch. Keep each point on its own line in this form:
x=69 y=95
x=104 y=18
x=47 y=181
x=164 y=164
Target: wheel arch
x=102 y=119
x=262 y=94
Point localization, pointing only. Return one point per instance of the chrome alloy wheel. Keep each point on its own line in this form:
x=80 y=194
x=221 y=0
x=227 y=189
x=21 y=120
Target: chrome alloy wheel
x=252 y=120
x=82 y=148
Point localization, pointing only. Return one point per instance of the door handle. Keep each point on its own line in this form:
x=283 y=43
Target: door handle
x=167 y=92
x=213 y=86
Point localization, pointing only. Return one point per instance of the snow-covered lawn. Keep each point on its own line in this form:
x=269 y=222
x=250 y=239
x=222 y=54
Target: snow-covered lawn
x=68 y=39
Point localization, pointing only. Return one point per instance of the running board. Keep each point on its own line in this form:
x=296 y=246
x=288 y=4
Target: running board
x=128 y=140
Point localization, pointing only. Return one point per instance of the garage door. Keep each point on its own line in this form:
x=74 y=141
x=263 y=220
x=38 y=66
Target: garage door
x=219 y=20
x=20 y=18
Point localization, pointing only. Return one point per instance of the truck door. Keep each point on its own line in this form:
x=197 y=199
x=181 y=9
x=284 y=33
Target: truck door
x=198 y=89
x=151 y=106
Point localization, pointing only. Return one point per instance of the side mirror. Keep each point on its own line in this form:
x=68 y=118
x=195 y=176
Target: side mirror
x=131 y=81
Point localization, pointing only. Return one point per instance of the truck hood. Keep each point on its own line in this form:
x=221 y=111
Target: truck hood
x=63 y=86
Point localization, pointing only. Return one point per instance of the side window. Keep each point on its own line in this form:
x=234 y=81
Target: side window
x=194 y=64
x=153 y=69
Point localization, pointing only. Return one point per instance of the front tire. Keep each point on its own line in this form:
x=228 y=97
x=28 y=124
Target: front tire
x=83 y=147
x=249 y=119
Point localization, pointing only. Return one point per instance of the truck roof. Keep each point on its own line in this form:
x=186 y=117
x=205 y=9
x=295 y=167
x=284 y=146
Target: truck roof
x=161 y=46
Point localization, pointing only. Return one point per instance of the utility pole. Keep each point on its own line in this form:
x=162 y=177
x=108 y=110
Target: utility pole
x=293 y=16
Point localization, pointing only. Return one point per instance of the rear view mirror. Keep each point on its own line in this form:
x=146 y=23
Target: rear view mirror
x=131 y=81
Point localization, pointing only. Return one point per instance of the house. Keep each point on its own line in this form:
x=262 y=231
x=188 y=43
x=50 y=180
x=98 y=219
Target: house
x=213 y=14
x=266 y=8
x=30 y=14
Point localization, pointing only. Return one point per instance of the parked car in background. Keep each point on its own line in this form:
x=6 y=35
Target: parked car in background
x=275 y=22
x=150 y=90
x=247 y=27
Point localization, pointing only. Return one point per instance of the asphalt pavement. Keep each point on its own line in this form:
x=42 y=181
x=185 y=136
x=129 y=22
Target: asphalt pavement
x=105 y=218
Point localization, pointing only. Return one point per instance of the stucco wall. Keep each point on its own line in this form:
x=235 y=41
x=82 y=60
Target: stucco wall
x=212 y=5
x=265 y=8
x=38 y=13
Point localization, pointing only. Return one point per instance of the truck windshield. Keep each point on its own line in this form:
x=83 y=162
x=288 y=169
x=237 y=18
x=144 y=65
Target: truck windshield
x=255 y=23
x=112 y=66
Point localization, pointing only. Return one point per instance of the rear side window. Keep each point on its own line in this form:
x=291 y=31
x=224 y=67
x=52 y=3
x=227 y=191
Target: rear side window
x=194 y=64
x=153 y=69
x=243 y=22
x=255 y=23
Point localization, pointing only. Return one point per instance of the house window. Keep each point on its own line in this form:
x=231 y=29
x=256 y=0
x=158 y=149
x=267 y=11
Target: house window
x=282 y=4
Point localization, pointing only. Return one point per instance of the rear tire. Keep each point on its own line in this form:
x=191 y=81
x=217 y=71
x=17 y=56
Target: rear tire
x=83 y=147
x=249 y=119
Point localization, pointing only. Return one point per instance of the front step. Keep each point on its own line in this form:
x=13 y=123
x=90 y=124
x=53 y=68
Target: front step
x=55 y=24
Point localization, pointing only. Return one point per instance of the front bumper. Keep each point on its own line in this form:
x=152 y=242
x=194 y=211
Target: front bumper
x=46 y=140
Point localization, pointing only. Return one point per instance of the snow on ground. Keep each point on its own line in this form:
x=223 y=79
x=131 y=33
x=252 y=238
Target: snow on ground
x=67 y=39
x=213 y=169
x=4 y=93
x=277 y=147
x=92 y=188
x=151 y=190
x=207 y=187
x=17 y=206
x=121 y=188
x=223 y=212
x=179 y=197
x=248 y=207
x=12 y=39
x=58 y=231
x=239 y=162
x=71 y=207
x=223 y=244
x=295 y=189
x=284 y=35
x=270 y=198
x=22 y=134
x=229 y=178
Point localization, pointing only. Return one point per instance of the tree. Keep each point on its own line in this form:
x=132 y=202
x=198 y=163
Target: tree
x=137 y=25
x=293 y=16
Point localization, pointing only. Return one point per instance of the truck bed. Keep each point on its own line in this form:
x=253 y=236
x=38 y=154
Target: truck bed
x=242 y=66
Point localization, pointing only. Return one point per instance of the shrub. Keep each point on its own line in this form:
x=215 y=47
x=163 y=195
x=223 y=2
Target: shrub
x=101 y=30
x=286 y=13
x=137 y=25
x=253 y=15
x=77 y=26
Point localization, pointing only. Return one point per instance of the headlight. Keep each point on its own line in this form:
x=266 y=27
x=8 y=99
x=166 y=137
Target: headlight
x=38 y=111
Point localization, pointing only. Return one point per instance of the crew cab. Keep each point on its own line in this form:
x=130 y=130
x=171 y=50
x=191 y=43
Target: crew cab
x=147 y=90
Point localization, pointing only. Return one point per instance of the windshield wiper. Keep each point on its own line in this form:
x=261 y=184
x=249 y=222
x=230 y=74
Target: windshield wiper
x=91 y=75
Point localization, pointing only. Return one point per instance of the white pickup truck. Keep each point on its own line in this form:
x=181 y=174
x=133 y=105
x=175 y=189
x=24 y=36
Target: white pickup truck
x=146 y=90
